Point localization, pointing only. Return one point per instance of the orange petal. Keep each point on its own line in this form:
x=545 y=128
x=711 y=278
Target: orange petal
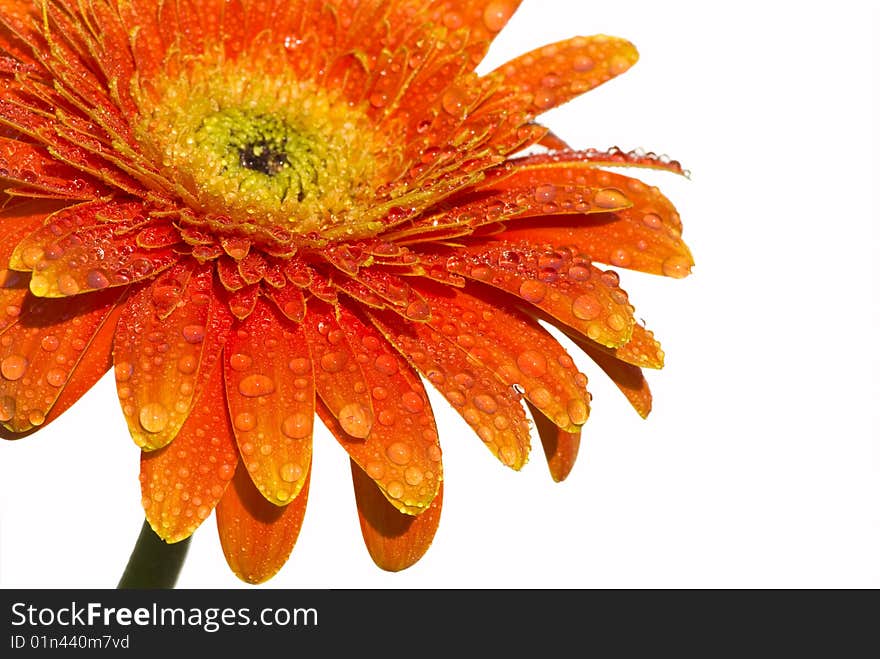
x=564 y=284
x=339 y=379
x=161 y=362
x=76 y=250
x=182 y=483
x=32 y=166
x=628 y=378
x=642 y=350
x=394 y=539
x=402 y=452
x=466 y=384
x=517 y=350
x=40 y=352
x=270 y=389
x=560 y=446
x=644 y=234
x=256 y=535
x=557 y=73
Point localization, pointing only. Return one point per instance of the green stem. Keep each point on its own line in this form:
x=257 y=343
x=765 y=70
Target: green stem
x=153 y=562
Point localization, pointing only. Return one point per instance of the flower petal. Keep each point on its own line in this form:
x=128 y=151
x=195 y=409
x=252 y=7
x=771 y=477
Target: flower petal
x=256 y=535
x=31 y=166
x=560 y=446
x=77 y=250
x=40 y=352
x=564 y=284
x=161 y=361
x=402 y=451
x=645 y=236
x=642 y=350
x=270 y=390
x=339 y=378
x=517 y=350
x=394 y=539
x=559 y=72
x=182 y=483
x=466 y=384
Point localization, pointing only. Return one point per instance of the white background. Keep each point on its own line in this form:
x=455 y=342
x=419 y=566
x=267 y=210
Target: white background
x=759 y=466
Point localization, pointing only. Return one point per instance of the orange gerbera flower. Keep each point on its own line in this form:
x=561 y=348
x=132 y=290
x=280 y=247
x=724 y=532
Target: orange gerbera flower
x=260 y=210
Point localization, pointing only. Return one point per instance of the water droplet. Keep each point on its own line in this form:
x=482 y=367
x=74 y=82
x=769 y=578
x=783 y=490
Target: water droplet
x=485 y=403
x=545 y=193
x=652 y=220
x=586 y=307
x=532 y=291
x=67 y=285
x=412 y=402
x=39 y=285
x=386 y=364
x=13 y=367
x=532 y=363
x=375 y=469
x=256 y=385
x=226 y=471
x=187 y=364
x=36 y=417
x=577 y=411
x=616 y=322
x=300 y=365
x=50 y=343
x=386 y=418
x=508 y=455
x=583 y=63
x=245 y=421
x=332 y=362
x=7 y=408
x=455 y=101
x=95 y=279
x=620 y=257
x=240 y=362
x=355 y=420
x=380 y=393
x=496 y=14
x=413 y=476
x=395 y=489
x=297 y=426
x=399 y=453
x=56 y=377
x=153 y=417
x=290 y=472
x=194 y=333
x=610 y=198
x=677 y=267
x=618 y=65
x=540 y=397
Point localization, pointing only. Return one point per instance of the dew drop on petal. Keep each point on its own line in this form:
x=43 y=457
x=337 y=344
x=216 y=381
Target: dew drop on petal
x=300 y=365
x=532 y=363
x=395 y=489
x=13 y=367
x=545 y=193
x=97 y=279
x=652 y=221
x=56 y=377
x=290 y=472
x=187 y=364
x=412 y=402
x=39 y=285
x=413 y=476
x=194 y=333
x=332 y=362
x=50 y=343
x=240 y=362
x=245 y=421
x=67 y=285
x=355 y=420
x=153 y=417
x=297 y=426
x=256 y=385
x=532 y=291
x=399 y=453
x=616 y=322
x=586 y=307
x=36 y=417
x=375 y=469
x=7 y=408
x=496 y=14
x=577 y=411
x=620 y=257
x=610 y=198
x=540 y=397
x=677 y=267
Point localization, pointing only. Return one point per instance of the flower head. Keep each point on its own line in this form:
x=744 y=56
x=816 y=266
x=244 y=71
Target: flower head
x=258 y=211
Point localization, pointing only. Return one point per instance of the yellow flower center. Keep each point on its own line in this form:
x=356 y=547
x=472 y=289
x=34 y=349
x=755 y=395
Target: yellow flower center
x=256 y=146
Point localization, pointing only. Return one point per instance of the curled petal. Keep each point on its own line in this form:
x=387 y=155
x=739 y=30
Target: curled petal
x=182 y=483
x=628 y=378
x=560 y=446
x=490 y=407
x=394 y=539
x=256 y=535
x=517 y=350
x=40 y=353
x=270 y=390
x=339 y=378
x=560 y=282
x=557 y=73
x=161 y=361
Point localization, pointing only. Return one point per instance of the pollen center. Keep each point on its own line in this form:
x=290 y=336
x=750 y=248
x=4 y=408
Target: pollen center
x=257 y=149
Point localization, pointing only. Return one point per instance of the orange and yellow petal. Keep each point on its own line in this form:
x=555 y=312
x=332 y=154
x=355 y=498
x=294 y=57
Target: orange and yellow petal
x=394 y=539
x=490 y=407
x=41 y=350
x=339 y=376
x=270 y=391
x=256 y=535
x=518 y=351
x=162 y=360
x=402 y=451
x=560 y=446
x=182 y=483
